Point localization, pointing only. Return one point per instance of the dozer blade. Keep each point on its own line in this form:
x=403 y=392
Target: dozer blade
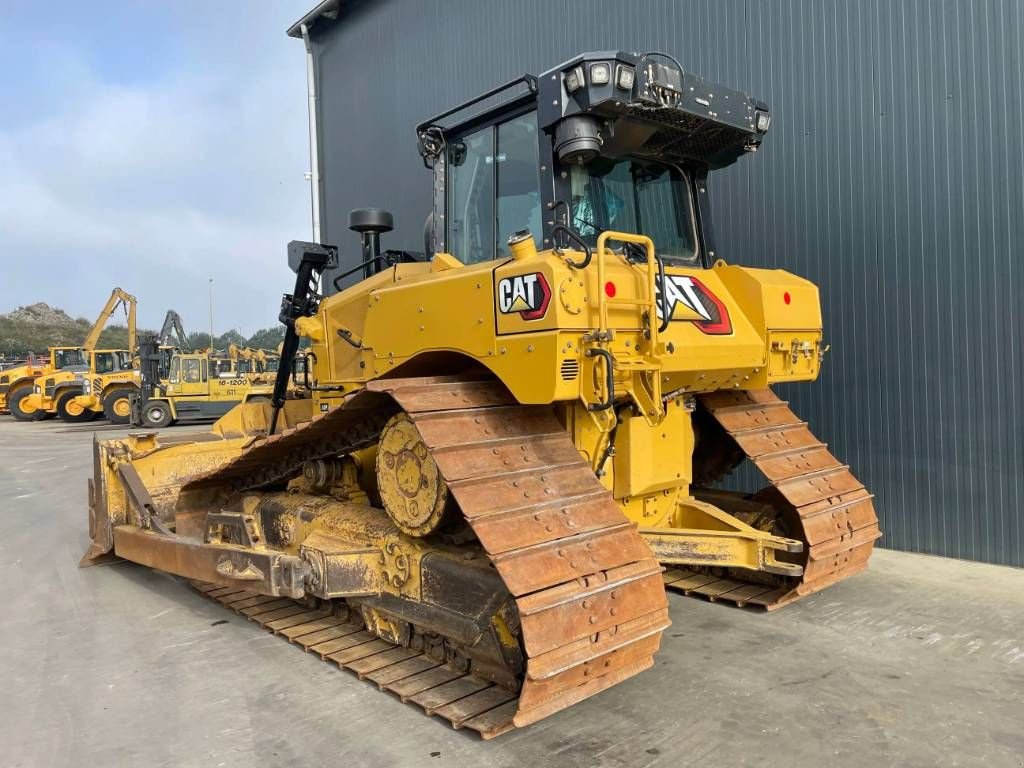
x=820 y=502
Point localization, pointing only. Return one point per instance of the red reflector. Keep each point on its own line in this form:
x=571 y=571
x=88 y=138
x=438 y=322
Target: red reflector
x=609 y=288
x=785 y=297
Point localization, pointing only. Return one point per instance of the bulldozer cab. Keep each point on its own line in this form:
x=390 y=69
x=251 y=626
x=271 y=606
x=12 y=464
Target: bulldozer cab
x=607 y=141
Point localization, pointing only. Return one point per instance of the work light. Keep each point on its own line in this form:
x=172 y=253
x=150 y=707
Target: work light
x=600 y=73
x=574 y=79
x=624 y=77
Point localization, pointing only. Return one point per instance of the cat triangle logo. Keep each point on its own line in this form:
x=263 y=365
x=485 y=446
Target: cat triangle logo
x=528 y=295
x=519 y=305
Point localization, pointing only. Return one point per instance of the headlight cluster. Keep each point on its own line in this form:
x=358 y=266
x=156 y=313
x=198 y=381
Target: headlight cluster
x=600 y=74
x=87 y=386
x=36 y=390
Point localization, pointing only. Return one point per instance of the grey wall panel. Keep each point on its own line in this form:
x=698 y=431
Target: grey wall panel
x=892 y=177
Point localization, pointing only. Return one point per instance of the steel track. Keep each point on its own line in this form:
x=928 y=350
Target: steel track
x=591 y=602
x=824 y=505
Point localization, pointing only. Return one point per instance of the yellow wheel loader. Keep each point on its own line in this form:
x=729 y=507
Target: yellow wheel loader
x=69 y=393
x=22 y=374
x=108 y=393
x=106 y=389
x=16 y=382
x=512 y=442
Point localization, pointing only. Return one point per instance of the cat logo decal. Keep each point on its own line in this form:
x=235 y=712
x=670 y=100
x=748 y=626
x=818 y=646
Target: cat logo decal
x=693 y=294
x=527 y=295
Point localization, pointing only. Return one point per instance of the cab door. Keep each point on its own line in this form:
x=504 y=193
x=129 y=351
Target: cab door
x=192 y=378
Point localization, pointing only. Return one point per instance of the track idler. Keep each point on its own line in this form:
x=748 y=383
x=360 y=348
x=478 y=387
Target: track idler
x=411 y=487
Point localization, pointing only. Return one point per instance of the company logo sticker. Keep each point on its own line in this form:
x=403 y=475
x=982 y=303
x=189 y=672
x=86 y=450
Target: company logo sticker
x=694 y=295
x=527 y=295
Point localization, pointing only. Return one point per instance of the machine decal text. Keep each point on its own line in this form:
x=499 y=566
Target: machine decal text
x=529 y=295
x=694 y=295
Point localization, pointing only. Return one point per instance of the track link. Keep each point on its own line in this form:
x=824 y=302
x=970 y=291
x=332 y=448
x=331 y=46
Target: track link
x=461 y=699
x=591 y=601
x=810 y=487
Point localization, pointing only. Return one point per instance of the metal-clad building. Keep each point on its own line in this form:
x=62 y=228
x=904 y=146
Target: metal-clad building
x=892 y=176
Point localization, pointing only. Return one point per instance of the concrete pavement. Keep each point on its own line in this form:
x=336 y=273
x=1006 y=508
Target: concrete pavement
x=918 y=662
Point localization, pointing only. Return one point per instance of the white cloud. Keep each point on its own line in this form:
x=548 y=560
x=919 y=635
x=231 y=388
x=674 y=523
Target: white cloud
x=154 y=186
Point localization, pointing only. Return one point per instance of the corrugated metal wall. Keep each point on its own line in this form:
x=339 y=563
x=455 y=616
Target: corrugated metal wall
x=892 y=177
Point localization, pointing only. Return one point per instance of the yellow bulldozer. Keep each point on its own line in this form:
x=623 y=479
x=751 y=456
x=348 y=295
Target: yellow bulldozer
x=60 y=392
x=513 y=442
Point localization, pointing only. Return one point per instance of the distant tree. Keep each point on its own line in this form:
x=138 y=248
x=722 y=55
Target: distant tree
x=18 y=337
x=230 y=337
x=199 y=340
x=267 y=338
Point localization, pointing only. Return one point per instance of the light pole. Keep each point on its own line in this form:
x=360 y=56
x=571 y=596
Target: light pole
x=211 y=314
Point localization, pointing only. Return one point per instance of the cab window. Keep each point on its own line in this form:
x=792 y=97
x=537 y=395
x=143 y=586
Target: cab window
x=637 y=196
x=67 y=358
x=190 y=370
x=175 y=373
x=493 y=188
x=103 y=362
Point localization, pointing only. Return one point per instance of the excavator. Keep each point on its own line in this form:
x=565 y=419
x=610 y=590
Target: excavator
x=108 y=391
x=514 y=443
x=57 y=392
x=172 y=333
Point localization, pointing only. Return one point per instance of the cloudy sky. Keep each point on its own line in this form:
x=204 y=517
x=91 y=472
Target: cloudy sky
x=152 y=145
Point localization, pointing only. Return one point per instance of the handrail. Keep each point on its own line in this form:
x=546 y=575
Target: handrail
x=573 y=237
x=651 y=300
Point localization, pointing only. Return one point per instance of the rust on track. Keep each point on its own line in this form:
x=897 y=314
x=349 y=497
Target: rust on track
x=823 y=504
x=589 y=592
